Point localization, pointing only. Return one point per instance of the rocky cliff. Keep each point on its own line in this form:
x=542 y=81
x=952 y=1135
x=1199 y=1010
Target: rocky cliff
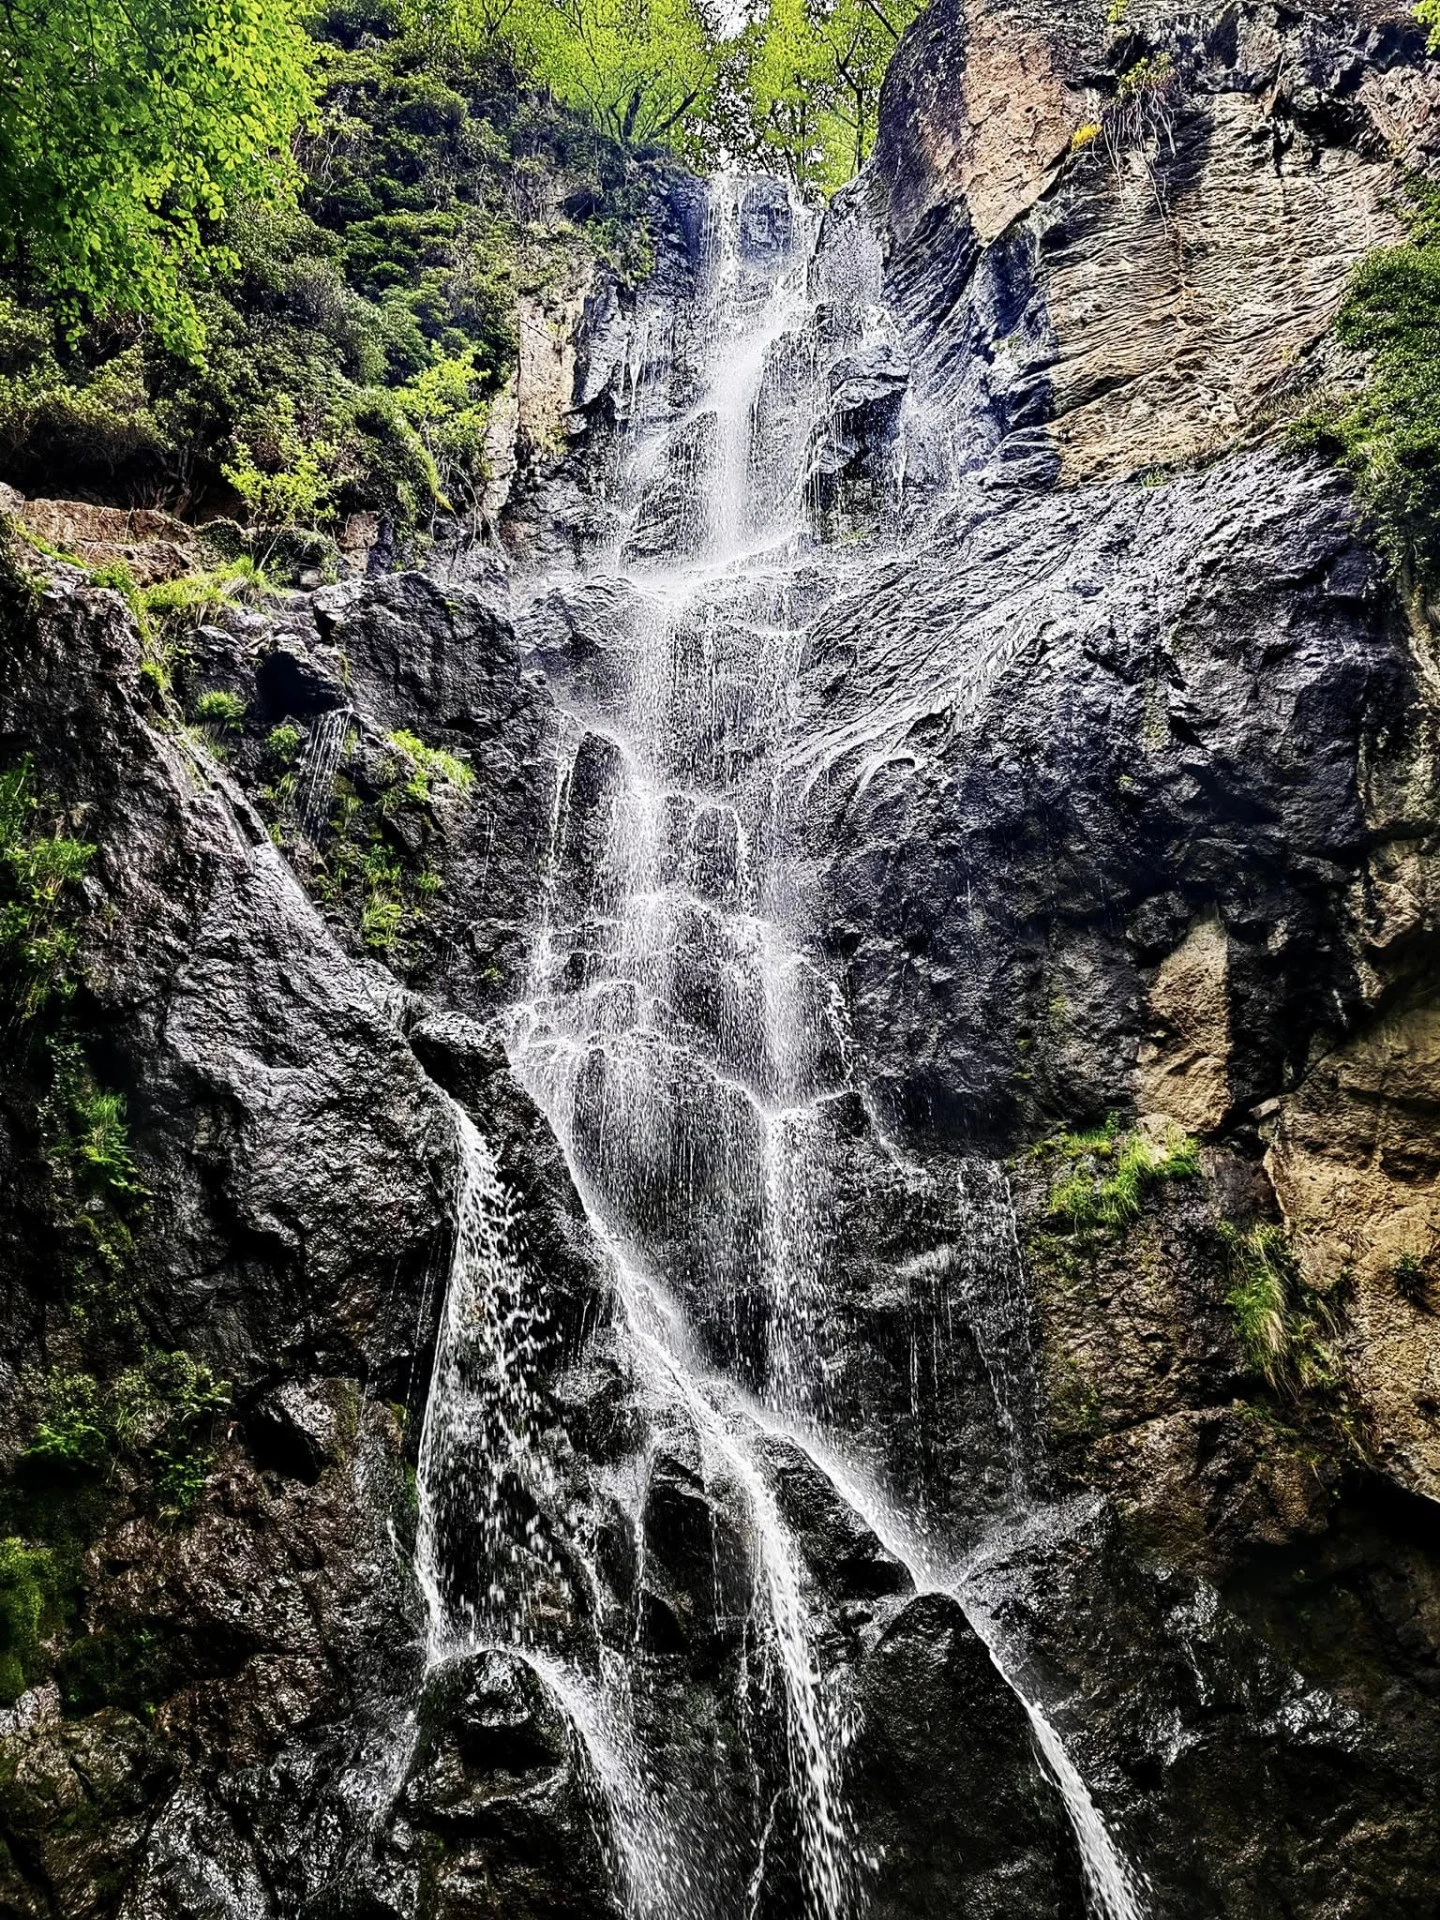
x=1090 y=1486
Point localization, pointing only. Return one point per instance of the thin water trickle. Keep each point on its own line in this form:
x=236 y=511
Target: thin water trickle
x=319 y=764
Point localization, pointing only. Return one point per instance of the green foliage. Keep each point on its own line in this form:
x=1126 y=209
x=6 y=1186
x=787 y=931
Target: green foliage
x=97 y=417
x=158 y=1416
x=282 y=743
x=26 y=1588
x=382 y=911
x=97 y=1191
x=1104 y=1192
x=94 y=1137
x=444 y=407
x=223 y=711
x=1260 y=1297
x=39 y=874
x=1415 y=1282
x=808 y=75
x=295 y=490
x=191 y=595
x=1150 y=74
x=795 y=90
x=126 y=131
x=1427 y=12
x=418 y=766
x=1285 y=1325
x=1388 y=436
x=73 y=1436
x=643 y=70
x=172 y=1406
x=323 y=320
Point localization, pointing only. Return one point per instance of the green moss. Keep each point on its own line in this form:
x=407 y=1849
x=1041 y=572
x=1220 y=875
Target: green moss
x=1105 y=1191
x=1388 y=436
x=26 y=1595
x=40 y=902
x=1074 y=1400
x=127 y=1667
x=51 y=552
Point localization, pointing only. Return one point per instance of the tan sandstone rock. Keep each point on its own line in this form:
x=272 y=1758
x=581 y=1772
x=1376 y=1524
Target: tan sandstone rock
x=1356 y=1165
x=1184 y=1062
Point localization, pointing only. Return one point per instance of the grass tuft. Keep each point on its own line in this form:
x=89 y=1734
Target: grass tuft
x=1105 y=1192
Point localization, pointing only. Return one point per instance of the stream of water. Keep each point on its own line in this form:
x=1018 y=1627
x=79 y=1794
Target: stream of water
x=691 y=1055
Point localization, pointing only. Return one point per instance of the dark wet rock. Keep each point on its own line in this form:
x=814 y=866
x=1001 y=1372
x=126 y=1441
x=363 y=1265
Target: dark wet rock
x=498 y=1775
x=841 y=1550
x=951 y=1794
x=302 y=1427
x=1074 y=755
x=1201 y=1729
x=75 y=1800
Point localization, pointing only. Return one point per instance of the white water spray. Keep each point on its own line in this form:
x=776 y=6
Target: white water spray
x=687 y=1050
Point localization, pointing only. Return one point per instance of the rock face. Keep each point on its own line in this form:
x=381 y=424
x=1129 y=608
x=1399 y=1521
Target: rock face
x=937 y=1365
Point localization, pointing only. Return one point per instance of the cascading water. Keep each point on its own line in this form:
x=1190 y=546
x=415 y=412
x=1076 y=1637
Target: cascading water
x=319 y=764
x=691 y=1055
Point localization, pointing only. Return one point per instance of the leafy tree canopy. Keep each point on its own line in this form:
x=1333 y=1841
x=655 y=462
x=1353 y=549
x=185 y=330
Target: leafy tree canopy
x=644 y=70
x=128 y=127
x=809 y=76
x=789 y=85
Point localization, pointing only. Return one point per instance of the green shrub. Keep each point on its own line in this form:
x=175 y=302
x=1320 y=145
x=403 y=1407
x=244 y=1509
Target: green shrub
x=97 y=421
x=224 y=712
x=282 y=743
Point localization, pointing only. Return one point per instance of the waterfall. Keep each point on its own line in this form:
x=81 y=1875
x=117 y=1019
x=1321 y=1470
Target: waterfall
x=319 y=764
x=691 y=1054
x=484 y=1481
